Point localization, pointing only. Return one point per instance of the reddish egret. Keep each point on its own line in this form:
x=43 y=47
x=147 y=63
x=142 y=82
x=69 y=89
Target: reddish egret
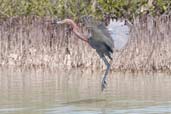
x=99 y=39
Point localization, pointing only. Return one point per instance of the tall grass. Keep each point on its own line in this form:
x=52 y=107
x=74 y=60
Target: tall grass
x=33 y=41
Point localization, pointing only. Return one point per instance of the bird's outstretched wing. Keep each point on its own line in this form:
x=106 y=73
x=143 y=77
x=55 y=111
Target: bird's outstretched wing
x=102 y=34
x=106 y=33
x=120 y=33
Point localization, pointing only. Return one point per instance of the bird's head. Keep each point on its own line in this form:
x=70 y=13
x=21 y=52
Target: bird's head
x=74 y=26
x=68 y=22
x=65 y=21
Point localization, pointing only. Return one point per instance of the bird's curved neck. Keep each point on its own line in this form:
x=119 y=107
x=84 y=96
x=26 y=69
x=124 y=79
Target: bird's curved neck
x=73 y=24
x=77 y=31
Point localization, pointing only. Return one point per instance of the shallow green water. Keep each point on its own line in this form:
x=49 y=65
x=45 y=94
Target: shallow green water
x=78 y=92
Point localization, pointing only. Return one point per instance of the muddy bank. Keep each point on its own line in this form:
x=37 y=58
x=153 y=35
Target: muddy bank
x=33 y=42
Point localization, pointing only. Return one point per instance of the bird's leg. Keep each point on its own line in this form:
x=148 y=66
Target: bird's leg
x=104 y=83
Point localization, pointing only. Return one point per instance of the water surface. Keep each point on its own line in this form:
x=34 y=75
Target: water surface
x=76 y=91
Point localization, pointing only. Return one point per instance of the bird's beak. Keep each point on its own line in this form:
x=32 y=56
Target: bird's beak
x=58 y=22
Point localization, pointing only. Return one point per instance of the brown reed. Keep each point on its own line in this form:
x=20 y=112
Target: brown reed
x=33 y=41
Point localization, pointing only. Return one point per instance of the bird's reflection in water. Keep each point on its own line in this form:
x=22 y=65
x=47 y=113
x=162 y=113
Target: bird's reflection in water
x=85 y=101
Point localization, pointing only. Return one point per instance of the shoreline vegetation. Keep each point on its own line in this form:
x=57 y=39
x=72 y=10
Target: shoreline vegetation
x=27 y=39
x=34 y=42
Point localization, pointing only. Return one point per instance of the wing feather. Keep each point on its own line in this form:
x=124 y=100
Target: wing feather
x=106 y=33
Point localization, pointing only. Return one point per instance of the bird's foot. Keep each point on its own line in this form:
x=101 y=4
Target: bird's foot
x=104 y=84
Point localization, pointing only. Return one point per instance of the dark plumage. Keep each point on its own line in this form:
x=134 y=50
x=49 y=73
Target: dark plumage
x=102 y=42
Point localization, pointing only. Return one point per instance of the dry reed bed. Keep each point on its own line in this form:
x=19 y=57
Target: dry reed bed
x=32 y=41
x=149 y=46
